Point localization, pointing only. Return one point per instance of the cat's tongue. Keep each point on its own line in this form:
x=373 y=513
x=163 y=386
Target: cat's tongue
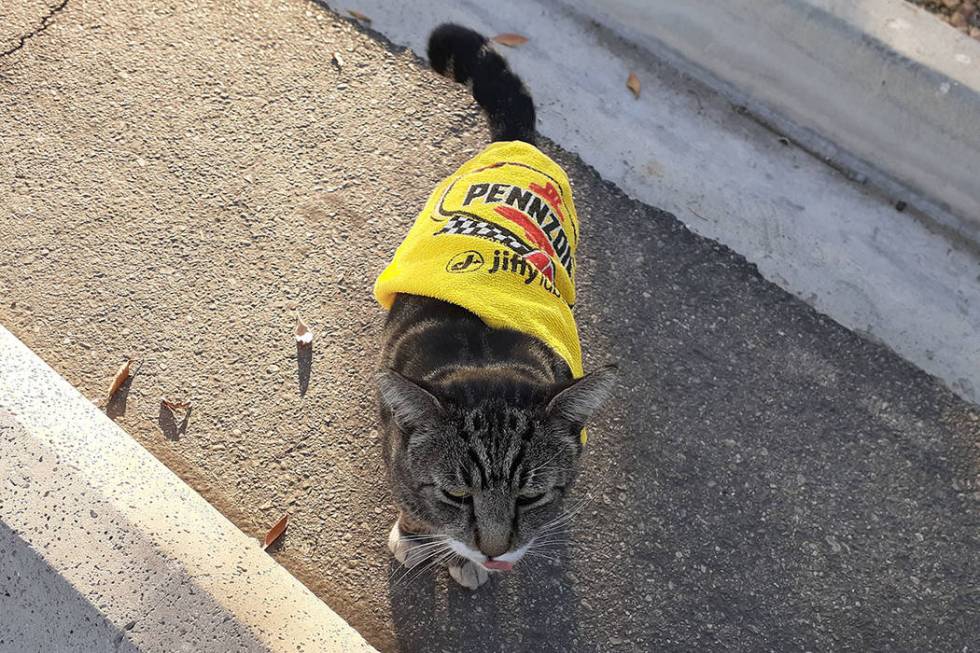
x=499 y=565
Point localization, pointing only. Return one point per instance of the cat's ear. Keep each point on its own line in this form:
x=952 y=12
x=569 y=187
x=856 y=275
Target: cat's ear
x=410 y=405
x=577 y=402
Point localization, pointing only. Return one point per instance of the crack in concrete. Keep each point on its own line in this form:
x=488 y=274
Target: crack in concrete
x=45 y=21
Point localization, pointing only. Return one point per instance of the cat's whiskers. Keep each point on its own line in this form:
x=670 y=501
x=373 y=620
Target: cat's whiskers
x=433 y=561
x=421 y=552
x=429 y=545
x=538 y=554
x=562 y=519
x=424 y=537
x=414 y=572
x=423 y=556
x=552 y=534
x=539 y=544
x=548 y=542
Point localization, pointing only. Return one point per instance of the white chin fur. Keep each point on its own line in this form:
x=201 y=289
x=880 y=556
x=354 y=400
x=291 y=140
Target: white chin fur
x=515 y=555
x=470 y=554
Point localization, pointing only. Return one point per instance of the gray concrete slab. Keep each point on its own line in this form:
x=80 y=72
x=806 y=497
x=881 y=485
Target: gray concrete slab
x=103 y=548
x=765 y=480
x=881 y=88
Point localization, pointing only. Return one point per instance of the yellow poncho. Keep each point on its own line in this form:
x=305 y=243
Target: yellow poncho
x=498 y=238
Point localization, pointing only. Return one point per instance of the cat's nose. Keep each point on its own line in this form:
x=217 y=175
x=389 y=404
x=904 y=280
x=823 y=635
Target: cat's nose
x=492 y=547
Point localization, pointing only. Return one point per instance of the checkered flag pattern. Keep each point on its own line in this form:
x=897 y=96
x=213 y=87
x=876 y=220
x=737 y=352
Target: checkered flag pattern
x=467 y=226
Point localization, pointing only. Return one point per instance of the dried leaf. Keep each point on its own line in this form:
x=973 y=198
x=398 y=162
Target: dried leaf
x=275 y=532
x=633 y=84
x=359 y=16
x=304 y=335
x=509 y=39
x=175 y=405
x=121 y=375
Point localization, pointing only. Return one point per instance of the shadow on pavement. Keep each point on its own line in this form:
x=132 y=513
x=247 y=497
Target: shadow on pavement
x=30 y=589
x=116 y=407
x=533 y=608
x=304 y=364
x=167 y=422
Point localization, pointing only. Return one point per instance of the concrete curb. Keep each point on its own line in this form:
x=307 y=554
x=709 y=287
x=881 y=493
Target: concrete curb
x=103 y=548
x=906 y=86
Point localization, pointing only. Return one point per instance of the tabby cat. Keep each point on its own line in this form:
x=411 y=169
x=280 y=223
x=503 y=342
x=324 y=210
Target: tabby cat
x=483 y=401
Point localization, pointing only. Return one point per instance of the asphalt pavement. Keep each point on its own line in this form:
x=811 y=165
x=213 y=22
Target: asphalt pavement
x=180 y=180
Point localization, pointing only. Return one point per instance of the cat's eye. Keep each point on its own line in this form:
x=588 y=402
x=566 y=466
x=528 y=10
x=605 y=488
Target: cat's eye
x=526 y=499
x=457 y=495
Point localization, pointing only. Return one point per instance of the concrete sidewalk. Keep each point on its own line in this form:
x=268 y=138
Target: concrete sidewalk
x=103 y=548
x=188 y=177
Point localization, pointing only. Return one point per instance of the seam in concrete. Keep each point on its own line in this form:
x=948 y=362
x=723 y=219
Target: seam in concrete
x=45 y=22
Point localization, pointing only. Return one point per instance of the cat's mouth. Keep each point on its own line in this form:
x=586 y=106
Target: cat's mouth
x=498 y=565
x=504 y=562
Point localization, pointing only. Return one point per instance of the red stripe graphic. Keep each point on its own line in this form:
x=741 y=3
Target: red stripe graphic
x=550 y=195
x=531 y=230
x=541 y=261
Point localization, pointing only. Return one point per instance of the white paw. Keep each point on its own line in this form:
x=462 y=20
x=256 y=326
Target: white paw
x=401 y=547
x=469 y=574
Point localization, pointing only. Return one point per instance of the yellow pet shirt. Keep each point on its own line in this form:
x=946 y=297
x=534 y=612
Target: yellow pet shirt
x=498 y=238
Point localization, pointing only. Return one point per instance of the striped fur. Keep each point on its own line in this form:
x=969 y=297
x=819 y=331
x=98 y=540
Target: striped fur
x=493 y=412
x=481 y=425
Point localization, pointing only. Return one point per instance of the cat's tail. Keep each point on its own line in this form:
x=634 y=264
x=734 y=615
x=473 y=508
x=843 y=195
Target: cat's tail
x=466 y=56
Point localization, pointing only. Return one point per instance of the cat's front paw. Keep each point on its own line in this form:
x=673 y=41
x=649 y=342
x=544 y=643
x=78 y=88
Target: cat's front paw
x=405 y=550
x=469 y=574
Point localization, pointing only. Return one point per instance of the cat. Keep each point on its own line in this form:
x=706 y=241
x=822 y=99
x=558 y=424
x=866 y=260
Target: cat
x=482 y=398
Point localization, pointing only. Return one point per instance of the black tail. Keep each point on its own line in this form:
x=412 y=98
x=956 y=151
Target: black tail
x=466 y=56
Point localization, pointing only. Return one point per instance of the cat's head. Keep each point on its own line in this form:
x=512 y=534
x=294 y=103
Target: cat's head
x=485 y=457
